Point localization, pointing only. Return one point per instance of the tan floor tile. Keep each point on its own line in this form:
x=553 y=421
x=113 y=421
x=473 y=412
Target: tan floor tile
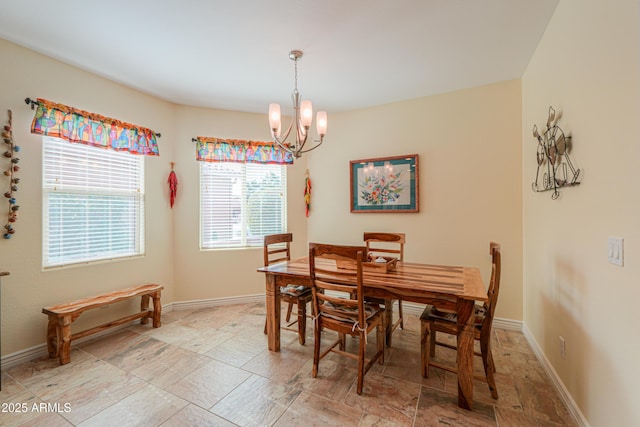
x=208 y=384
x=237 y=351
x=440 y=409
x=539 y=400
x=24 y=409
x=95 y=390
x=45 y=377
x=278 y=366
x=149 y=406
x=371 y=420
x=334 y=380
x=256 y=402
x=511 y=417
x=106 y=346
x=140 y=352
x=10 y=387
x=169 y=365
x=312 y=410
x=389 y=398
x=195 y=416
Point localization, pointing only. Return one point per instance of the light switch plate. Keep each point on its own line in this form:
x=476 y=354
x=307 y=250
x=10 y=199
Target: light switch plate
x=615 y=250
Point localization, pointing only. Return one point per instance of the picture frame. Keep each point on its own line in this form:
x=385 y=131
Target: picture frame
x=385 y=184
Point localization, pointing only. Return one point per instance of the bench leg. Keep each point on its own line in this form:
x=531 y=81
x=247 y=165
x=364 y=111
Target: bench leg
x=144 y=306
x=52 y=336
x=157 y=309
x=64 y=339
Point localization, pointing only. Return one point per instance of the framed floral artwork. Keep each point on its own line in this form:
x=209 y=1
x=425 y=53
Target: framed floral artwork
x=387 y=184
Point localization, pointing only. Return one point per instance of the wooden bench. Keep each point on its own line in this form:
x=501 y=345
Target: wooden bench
x=61 y=317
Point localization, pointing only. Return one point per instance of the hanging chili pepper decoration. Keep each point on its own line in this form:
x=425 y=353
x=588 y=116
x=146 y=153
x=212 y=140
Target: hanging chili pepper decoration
x=173 y=186
x=307 y=194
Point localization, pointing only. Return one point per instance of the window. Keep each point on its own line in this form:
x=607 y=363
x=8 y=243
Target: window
x=93 y=203
x=240 y=203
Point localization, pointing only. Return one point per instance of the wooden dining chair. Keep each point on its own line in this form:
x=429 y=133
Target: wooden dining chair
x=381 y=244
x=349 y=315
x=433 y=320
x=277 y=248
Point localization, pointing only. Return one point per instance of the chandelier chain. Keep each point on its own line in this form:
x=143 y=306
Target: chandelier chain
x=295 y=63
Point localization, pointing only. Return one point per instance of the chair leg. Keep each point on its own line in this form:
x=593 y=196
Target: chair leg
x=289 y=307
x=432 y=344
x=487 y=364
x=424 y=351
x=380 y=341
x=302 y=321
x=361 y=360
x=317 y=331
x=343 y=341
x=400 y=314
x=265 y=326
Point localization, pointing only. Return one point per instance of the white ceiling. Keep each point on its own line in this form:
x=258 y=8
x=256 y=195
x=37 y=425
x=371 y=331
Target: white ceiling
x=234 y=54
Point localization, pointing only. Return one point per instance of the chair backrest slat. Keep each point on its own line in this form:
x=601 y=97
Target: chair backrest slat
x=379 y=243
x=279 y=240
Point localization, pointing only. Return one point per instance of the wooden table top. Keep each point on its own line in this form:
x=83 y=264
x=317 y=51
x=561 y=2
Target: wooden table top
x=408 y=278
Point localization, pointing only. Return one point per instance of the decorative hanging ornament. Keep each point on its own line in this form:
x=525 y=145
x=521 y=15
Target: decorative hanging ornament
x=307 y=194
x=7 y=136
x=173 y=185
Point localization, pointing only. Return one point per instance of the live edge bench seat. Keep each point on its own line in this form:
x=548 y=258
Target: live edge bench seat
x=61 y=317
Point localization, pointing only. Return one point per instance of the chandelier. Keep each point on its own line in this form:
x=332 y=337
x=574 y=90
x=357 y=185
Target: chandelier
x=302 y=117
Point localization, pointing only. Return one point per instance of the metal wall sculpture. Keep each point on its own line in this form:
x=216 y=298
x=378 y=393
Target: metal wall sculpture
x=555 y=169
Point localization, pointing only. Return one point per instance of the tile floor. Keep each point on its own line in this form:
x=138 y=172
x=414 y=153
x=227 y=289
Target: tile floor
x=211 y=367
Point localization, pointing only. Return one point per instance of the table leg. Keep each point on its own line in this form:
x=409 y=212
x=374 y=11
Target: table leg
x=273 y=312
x=465 y=353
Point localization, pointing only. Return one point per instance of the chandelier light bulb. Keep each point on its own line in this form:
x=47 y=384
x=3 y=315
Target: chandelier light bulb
x=321 y=123
x=306 y=113
x=274 y=116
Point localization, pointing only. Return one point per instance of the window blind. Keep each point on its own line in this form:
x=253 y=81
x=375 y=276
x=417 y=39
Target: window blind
x=240 y=203
x=93 y=203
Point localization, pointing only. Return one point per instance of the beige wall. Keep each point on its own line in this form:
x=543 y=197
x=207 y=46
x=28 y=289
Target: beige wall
x=469 y=150
x=222 y=273
x=29 y=288
x=587 y=67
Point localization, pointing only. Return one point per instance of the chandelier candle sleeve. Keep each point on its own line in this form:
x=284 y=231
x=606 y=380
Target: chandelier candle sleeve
x=301 y=120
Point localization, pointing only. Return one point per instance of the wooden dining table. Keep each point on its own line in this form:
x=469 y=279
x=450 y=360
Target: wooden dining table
x=450 y=288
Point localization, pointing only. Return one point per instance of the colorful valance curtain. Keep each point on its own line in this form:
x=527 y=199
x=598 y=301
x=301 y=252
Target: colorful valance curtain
x=79 y=126
x=240 y=151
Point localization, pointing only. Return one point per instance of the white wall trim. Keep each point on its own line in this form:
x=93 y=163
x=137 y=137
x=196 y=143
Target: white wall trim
x=566 y=397
x=214 y=302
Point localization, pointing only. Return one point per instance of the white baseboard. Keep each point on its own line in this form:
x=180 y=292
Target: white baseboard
x=566 y=397
x=214 y=302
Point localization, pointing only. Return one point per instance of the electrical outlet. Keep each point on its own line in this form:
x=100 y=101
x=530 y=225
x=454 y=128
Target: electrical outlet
x=563 y=353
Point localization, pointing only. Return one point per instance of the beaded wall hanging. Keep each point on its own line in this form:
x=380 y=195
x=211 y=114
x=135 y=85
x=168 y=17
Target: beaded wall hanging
x=10 y=172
